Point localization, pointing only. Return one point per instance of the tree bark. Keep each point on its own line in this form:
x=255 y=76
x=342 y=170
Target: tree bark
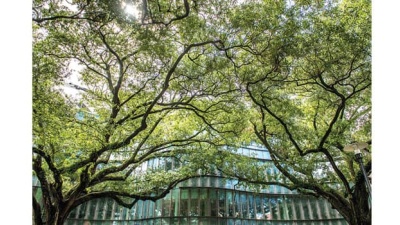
x=55 y=214
x=361 y=213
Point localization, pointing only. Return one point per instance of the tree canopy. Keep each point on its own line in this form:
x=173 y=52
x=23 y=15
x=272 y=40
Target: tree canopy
x=309 y=83
x=181 y=80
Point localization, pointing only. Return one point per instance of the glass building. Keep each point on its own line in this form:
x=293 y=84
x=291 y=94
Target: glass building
x=212 y=200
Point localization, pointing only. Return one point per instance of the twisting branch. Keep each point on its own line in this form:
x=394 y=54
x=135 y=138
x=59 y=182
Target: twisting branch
x=143 y=124
x=178 y=17
x=56 y=173
x=75 y=16
x=116 y=195
x=37 y=211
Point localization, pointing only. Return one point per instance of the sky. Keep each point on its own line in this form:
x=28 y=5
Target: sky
x=16 y=111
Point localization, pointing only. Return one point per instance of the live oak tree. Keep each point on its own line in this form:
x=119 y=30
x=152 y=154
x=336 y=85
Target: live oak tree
x=149 y=88
x=307 y=73
x=181 y=79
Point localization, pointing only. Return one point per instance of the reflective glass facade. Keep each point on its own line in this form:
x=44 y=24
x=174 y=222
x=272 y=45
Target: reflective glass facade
x=212 y=201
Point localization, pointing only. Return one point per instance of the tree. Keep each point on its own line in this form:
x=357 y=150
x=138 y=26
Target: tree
x=307 y=74
x=148 y=89
x=182 y=79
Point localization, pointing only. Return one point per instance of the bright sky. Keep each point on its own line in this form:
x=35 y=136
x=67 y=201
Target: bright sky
x=131 y=9
x=74 y=78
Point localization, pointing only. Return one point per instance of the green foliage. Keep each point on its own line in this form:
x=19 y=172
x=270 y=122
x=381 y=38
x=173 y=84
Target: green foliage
x=144 y=93
x=189 y=80
x=309 y=81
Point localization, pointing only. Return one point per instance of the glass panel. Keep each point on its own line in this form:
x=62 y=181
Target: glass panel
x=150 y=212
x=175 y=202
x=183 y=221
x=322 y=208
x=298 y=208
x=212 y=221
x=306 y=210
x=73 y=213
x=221 y=182
x=145 y=208
x=131 y=213
x=156 y=163
x=150 y=164
x=185 y=183
x=291 y=209
x=222 y=221
x=174 y=221
x=229 y=183
x=278 y=189
x=176 y=163
x=236 y=205
x=168 y=164
x=331 y=211
x=156 y=222
x=229 y=201
x=139 y=207
x=204 y=203
x=125 y=213
x=193 y=221
x=100 y=209
x=259 y=210
x=104 y=210
x=274 y=208
x=221 y=204
x=81 y=211
x=243 y=204
x=116 y=214
x=246 y=152
x=198 y=181
x=158 y=208
x=213 y=181
x=205 y=181
x=284 y=208
x=337 y=214
x=213 y=202
x=166 y=221
x=251 y=214
x=314 y=209
x=166 y=206
x=266 y=207
x=184 y=202
x=194 y=204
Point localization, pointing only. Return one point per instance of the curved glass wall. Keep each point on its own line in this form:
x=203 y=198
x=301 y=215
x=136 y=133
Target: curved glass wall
x=211 y=205
x=212 y=200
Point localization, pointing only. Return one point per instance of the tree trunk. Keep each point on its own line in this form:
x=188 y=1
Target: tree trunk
x=361 y=214
x=361 y=198
x=55 y=215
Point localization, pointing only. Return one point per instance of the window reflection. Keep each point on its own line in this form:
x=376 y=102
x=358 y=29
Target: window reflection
x=210 y=204
x=194 y=205
x=229 y=199
x=184 y=202
x=158 y=208
x=213 y=202
x=251 y=212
